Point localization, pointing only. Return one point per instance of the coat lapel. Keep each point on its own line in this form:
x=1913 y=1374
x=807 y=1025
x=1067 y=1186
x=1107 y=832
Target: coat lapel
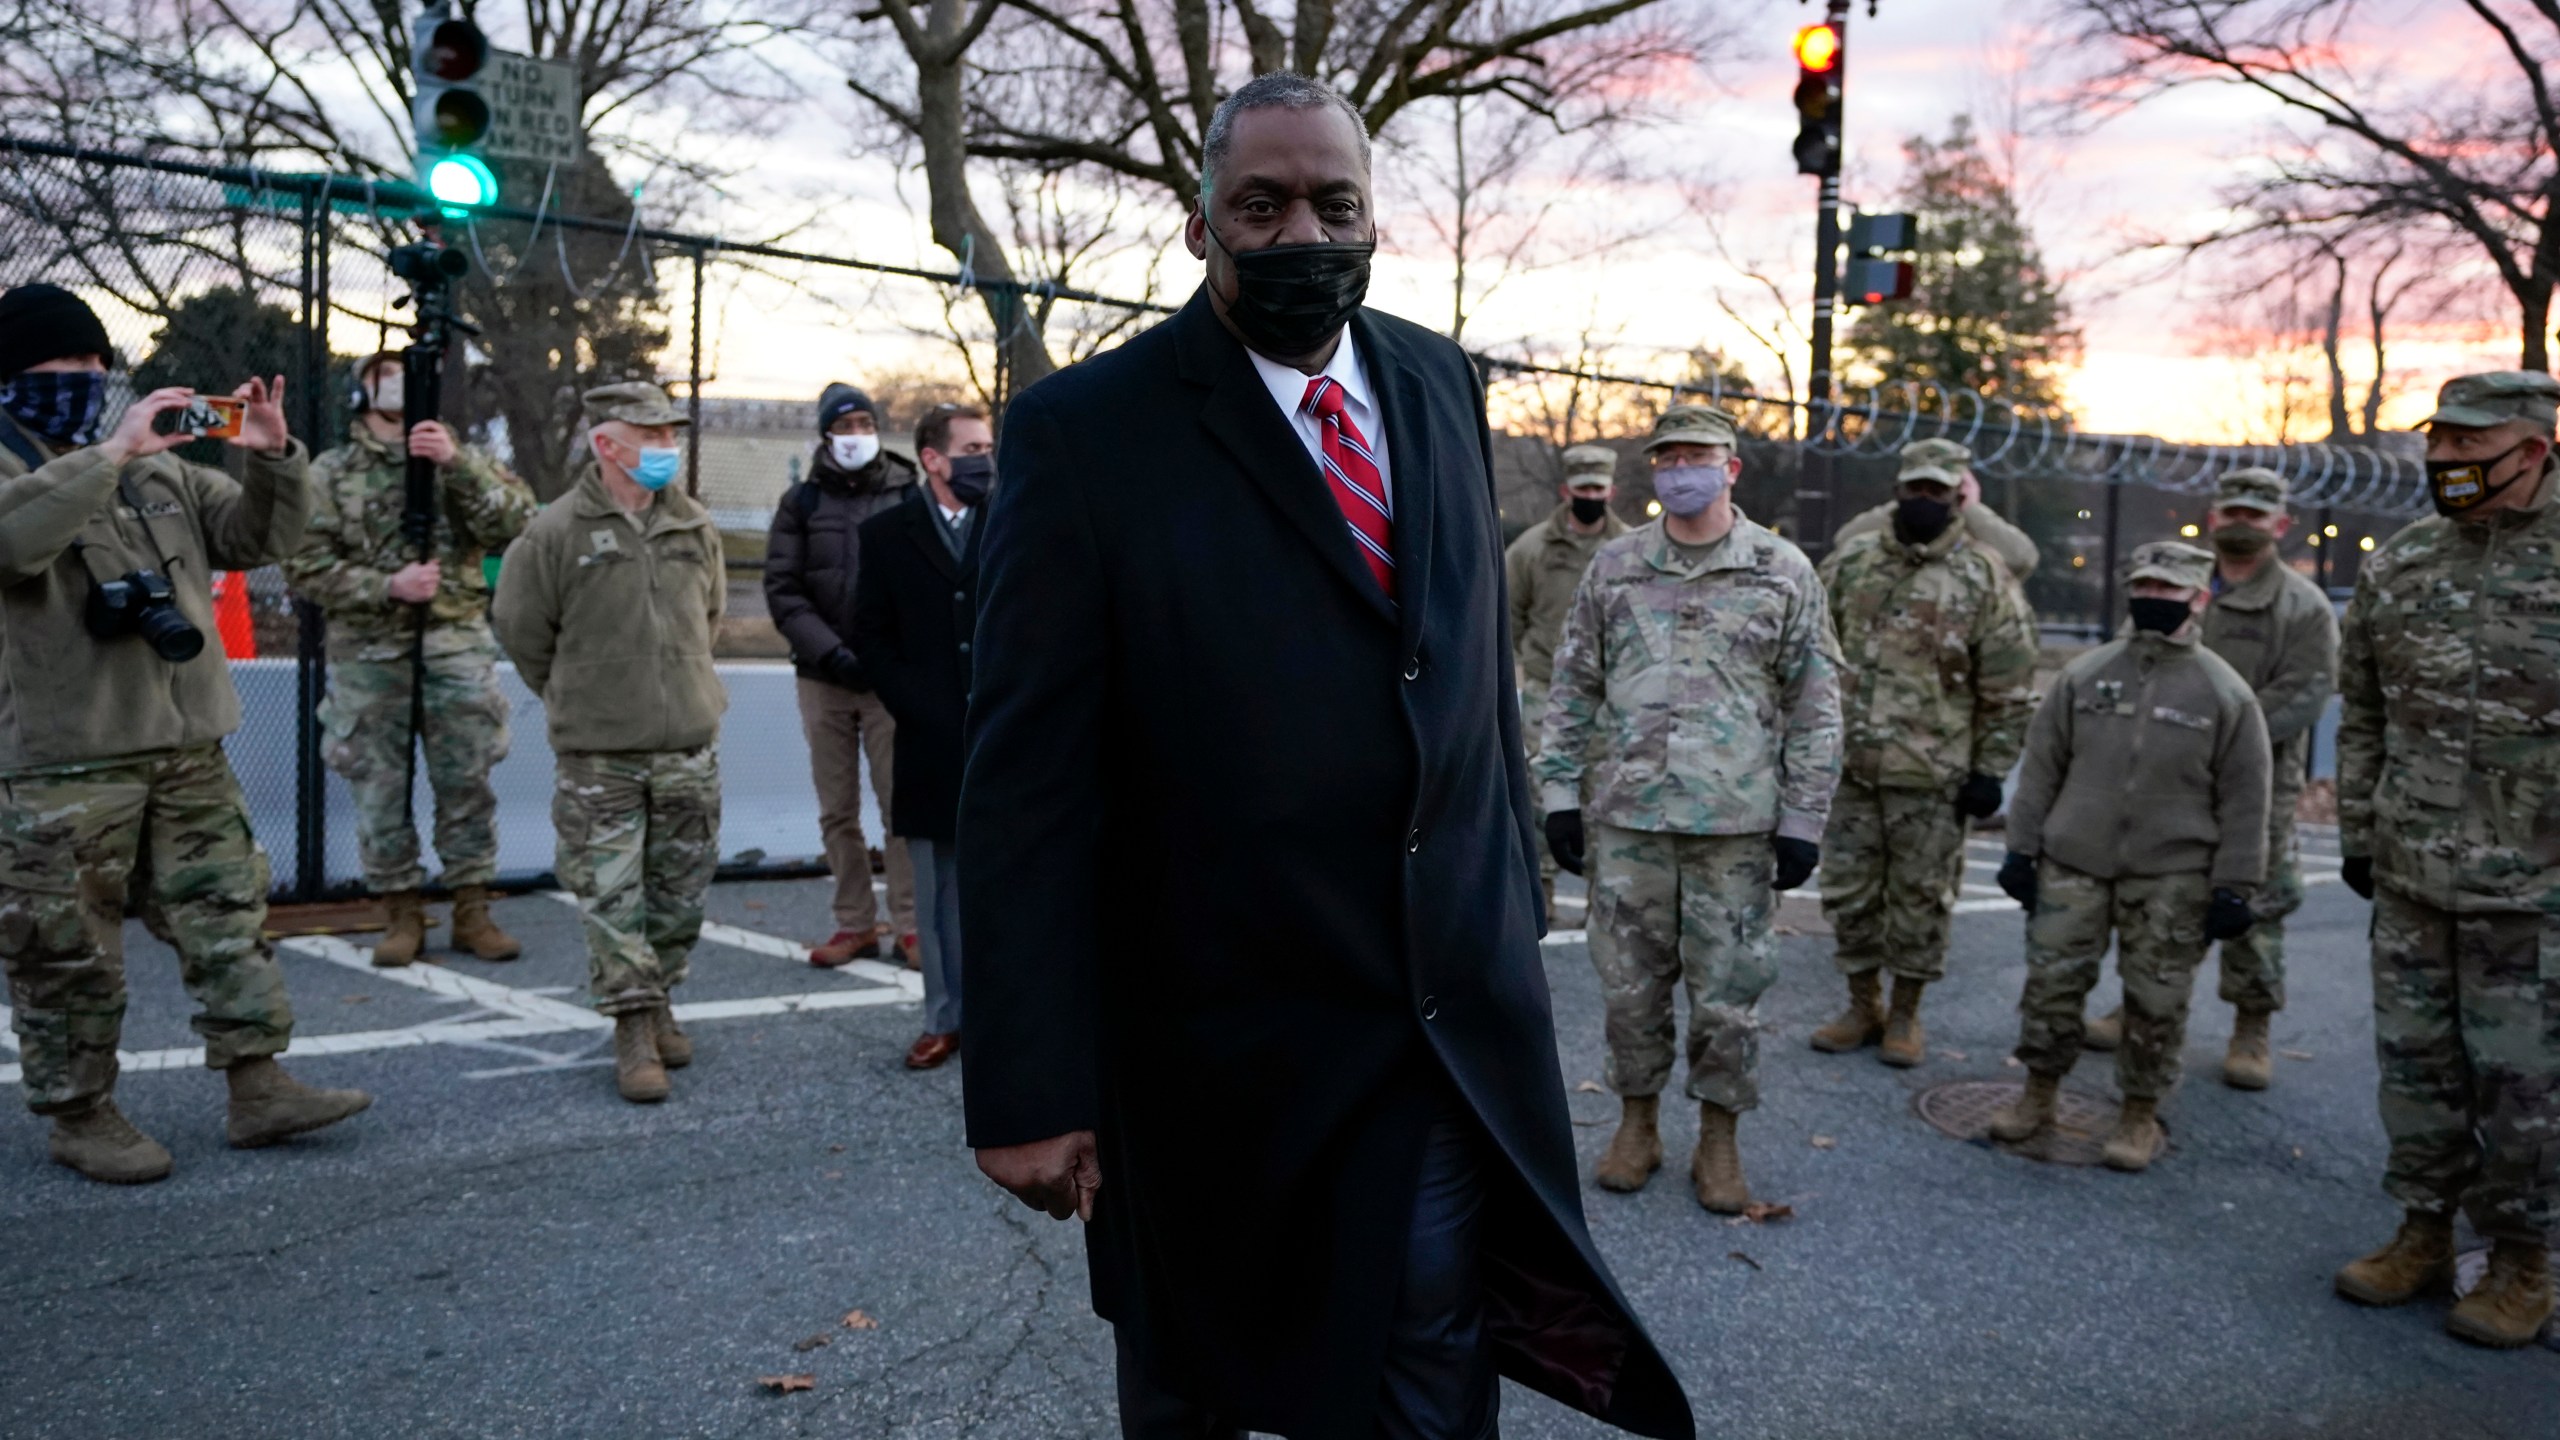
x=1239 y=413
x=923 y=530
x=1413 y=481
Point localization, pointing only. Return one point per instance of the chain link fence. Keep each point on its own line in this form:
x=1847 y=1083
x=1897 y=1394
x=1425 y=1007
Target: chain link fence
x=205 y=275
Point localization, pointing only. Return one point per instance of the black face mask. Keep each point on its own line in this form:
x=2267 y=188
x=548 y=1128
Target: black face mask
x=1588 y=510
x=2159 y=614
x=1290 y=299
x=2459 y=485
x=971 y=477
x=1917 y=519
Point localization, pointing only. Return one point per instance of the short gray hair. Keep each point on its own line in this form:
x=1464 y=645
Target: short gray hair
x=1279 y=90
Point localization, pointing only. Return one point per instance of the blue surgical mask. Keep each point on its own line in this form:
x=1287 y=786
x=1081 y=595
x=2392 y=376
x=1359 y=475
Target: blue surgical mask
x=657 y=467
x=1687 y=490
x=63 y=406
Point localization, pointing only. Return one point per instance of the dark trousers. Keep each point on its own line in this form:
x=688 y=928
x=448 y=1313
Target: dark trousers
x=1439 y=1382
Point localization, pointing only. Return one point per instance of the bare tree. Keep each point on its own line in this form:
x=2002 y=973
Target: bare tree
x=2473 y=156
x=2295 y=302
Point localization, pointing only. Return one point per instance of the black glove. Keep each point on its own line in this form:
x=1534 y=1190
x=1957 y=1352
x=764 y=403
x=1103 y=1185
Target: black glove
x=2357 y=871
x=1564 y=839
x=1978 y=798
x=841 y=668
x=2018 y=879
x=2228 y=917
x=1796 y=859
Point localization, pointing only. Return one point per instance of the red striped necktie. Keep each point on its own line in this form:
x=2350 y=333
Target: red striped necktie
x=1357 y=486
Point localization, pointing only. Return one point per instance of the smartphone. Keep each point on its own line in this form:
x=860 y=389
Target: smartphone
x=207 y=417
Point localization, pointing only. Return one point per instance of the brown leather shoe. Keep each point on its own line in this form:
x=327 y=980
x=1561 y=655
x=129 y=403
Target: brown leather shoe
x=930 y=1051
x=843 y=948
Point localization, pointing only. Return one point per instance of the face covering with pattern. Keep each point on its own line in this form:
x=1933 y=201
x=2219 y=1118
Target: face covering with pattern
x=852 y=452
x=1687 y=490
x=2158 y=614
x=972 y=476
x=63 y=406
x=1290 y=299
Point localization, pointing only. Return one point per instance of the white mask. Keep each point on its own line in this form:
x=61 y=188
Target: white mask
x=852 y=452
x=390 y=393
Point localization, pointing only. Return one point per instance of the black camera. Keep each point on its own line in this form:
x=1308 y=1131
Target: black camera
x=143 y=604
x=425 y=263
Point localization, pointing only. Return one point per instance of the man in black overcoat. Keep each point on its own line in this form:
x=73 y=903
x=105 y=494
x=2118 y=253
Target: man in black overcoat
x=1244 y=711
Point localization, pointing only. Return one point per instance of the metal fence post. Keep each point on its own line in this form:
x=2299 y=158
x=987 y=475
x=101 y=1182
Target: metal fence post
x=2107 y=582
x=310 y=779
x=693 y=392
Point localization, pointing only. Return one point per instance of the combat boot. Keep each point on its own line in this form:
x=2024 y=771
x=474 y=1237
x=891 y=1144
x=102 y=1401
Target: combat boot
x=267 y=1105
x=2246 y=1066
x=1715 y=1172
x=675 y=1048
x=100 y=1143
x=1635 y=1152
x=1906 y=1040
x=2104 y=1033
x=1859 y=1026
x=2136 y=1141
x=2512 y=1302
x=475 y=933
x=637 y=1070
x=405 y=935
x=2418 y=1261
x=2031 y=1113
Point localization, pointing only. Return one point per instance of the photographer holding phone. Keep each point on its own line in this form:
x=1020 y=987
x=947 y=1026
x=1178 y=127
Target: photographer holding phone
x=112 y=715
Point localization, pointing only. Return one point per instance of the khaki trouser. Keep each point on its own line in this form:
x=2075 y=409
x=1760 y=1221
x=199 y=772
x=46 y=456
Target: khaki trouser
x=842 y=726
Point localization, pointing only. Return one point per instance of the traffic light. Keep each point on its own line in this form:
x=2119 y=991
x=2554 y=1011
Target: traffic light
x=1817 y=50
x=1874 y=276
x=446 y=55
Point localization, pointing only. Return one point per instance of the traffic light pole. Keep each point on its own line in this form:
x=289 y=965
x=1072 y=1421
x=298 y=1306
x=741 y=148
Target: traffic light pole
x=1813 y=479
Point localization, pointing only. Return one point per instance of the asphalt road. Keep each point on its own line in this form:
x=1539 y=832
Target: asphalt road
x=500 y=1247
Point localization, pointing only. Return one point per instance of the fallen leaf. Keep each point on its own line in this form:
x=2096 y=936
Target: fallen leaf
x=832 y=1175
x=1745 y=1259
x=356 y=999
x=785 y=1384
x=755 y=904
x=811 y=1342
x=1762 y=1212
x=1951 y=1055
x=856 y=1320
x=2009 y=1062
x=835 y=1149
x=1823 y=1142
x=2297 y=1152
x=1590 y=1087
x=2295 y=1054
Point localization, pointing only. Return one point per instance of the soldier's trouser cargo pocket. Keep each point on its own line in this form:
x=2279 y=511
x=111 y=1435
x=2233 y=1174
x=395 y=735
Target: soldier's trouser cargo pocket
x=73 y=844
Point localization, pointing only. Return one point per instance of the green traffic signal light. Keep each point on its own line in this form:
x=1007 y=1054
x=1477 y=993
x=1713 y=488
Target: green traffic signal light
x=460 y=182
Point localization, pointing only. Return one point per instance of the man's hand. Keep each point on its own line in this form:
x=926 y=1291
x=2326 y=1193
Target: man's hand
x=1564 y=839
x=1978 y=798
x=1059 y=1175
x=2018 y=880
x=842 y=667
x=2228 y=916
x=1968 y=490
x=417 y=582
x=431 y=441
x=262 y=426
x=134 y=438
x=1796 y=861
x=2357 y=871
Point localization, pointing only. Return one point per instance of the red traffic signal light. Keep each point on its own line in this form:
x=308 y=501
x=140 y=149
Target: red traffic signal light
x=1818 y=48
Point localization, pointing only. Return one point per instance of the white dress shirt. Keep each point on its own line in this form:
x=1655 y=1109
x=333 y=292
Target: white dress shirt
x=1288 y=386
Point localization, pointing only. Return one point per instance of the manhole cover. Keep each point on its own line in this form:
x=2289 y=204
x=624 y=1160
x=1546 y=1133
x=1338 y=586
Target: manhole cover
x=1963 y=1109
x=2470 y=1265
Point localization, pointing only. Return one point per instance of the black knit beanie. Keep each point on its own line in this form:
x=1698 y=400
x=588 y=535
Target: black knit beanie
x=46 y=322
x=839 y=400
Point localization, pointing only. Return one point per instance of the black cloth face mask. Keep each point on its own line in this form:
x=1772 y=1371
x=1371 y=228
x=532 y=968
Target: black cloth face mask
x=1290 y=299
x=1917 y=519
x=1588 y=510
x=2159 y=614
x=971 y=477
x=2459 y=485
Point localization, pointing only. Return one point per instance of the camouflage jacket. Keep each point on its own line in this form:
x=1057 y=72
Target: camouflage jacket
x=2279 y=632
x=1709 y=689
x=2449 y=750
x=1979 y=520
x=353 y=545
x=1542 y=569
x=1938 y=660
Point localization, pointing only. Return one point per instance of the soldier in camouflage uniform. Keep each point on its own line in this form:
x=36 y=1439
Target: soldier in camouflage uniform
x=1981 y=524
x=381 y=600
x=608 y=604
x=112 y=777
x=1542 y=569
x=1698 y=666
x=1939 y=661
x=2277 y=629
x=2449 y=817
x=2141 y=811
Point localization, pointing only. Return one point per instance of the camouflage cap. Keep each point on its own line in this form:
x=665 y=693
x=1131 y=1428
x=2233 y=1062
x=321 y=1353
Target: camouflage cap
x=1590 y=465
x=1693 y=425
x=2495 y=397
x=2252 y=487
x=633 y=402
x=1944 y=461
x=2173 y=561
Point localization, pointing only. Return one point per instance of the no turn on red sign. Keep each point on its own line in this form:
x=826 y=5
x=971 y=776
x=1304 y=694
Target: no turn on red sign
x=535 y=112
